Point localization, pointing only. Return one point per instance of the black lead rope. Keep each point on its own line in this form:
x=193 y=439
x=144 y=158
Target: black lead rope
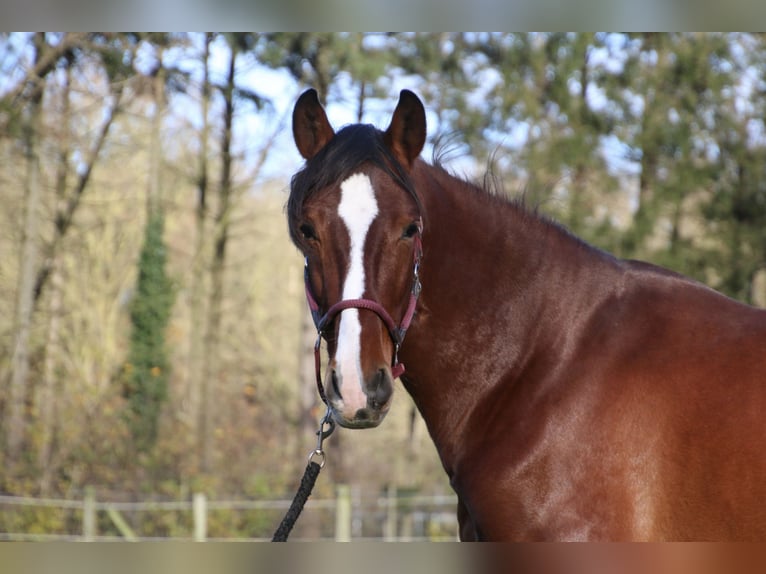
x=307 y=482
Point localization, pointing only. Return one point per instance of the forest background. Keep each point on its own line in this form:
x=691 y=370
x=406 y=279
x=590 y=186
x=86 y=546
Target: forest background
x=154 y=338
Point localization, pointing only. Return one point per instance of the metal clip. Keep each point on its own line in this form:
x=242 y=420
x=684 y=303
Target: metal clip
x=317 y=455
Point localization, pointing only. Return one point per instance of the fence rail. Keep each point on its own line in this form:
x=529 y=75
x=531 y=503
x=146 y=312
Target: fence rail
x=348 y=516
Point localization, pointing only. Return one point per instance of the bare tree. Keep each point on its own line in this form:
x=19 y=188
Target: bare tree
x=221 y=226
x=25 y=293
x=46 y=403
x=198 y=278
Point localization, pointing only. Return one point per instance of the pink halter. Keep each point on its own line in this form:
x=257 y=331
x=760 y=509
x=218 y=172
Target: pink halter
x=396 y=332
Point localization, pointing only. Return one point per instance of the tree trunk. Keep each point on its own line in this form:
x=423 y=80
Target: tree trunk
x=651 y=119
x=221 y=235
x=198 y=279
x=15 y=414
x=47 y=411
x=46 y=401
x=154 y=187
x=577 y=204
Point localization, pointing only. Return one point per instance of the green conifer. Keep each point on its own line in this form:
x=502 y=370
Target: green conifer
x=148 y=368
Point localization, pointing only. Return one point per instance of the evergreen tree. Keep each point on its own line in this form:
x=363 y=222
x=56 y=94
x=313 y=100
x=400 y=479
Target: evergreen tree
x=679 y=80
x=735 y=210
x=148 y=368
x=547 y=122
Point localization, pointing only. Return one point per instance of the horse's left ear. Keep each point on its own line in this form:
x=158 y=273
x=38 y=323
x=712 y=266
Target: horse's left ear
x=407 y=133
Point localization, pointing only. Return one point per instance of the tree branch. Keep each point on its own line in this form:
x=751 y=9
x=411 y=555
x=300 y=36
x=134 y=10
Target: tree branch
x=65 y=216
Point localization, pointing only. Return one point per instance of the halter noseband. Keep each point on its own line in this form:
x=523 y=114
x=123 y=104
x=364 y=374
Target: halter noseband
x=396 y=332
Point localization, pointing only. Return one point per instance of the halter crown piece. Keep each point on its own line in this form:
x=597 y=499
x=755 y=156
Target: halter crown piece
x=396 y=332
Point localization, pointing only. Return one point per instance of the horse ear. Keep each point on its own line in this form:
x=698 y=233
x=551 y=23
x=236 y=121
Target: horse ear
x=407 y=132
x=311 y=129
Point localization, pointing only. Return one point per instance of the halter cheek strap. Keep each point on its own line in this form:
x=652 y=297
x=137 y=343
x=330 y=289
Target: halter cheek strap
x=396 y=332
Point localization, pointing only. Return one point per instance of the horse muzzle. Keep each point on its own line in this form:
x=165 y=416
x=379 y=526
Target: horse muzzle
x=359 y=405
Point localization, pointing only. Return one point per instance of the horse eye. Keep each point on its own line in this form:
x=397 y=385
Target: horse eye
x=308 y=232
x=411 y=231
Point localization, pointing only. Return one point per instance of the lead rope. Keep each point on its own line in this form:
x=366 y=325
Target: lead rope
x=315 y=464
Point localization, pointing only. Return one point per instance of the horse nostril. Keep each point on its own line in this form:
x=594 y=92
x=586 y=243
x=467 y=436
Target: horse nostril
x=380 y=389
x=334 y=381
x=362 y=415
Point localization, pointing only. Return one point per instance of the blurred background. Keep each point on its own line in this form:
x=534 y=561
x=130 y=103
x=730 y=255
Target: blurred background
x=155 y=347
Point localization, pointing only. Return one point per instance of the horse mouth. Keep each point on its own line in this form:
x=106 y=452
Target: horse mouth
x=357 y=408
x=364 y=418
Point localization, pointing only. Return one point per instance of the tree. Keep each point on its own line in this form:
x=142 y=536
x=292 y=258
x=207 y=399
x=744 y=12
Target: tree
x=51 y=52
x=148 y=369
x=15 y=423
x=736 y=205
x=198 y=279
x=232 y=95
x=46 y=400
x=668 y=91
x=117 y=53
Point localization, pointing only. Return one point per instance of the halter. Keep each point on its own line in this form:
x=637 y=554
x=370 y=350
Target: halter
x=396 y=332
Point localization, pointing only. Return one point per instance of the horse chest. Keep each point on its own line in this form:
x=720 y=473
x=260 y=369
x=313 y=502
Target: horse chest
x=553 y=481
x=538 y=503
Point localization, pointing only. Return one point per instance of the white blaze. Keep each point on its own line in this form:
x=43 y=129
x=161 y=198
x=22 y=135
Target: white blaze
x=357 y=209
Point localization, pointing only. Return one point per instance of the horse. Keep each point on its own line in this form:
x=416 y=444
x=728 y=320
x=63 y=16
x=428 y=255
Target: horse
x=571 y=395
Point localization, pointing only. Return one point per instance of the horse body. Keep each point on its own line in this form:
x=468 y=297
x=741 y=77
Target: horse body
x=575 y=396
x=570 y=395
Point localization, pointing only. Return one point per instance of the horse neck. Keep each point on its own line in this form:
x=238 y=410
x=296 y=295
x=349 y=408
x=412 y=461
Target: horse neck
x=498 y=284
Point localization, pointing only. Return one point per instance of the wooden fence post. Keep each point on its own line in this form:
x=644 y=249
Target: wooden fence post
x=89 y=515
x=389 y=527
x=199 y=509
x=343 y=513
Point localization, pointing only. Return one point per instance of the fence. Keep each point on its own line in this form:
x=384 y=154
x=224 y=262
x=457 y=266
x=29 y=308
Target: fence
x=392 y=516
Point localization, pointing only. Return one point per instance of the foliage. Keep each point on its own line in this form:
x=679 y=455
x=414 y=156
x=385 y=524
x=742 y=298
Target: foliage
x=147 y=370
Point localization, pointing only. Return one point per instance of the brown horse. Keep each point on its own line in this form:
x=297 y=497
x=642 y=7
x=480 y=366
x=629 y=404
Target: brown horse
x=570 y=395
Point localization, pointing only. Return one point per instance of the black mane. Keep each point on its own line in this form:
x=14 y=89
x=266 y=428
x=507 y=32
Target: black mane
x=351 y=147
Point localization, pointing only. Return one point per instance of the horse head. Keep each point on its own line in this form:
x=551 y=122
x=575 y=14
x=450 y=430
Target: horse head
x=356 y=218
